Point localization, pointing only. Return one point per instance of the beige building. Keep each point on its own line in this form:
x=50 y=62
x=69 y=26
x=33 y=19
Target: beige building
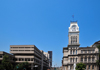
x=31 y=54
x=73 y=54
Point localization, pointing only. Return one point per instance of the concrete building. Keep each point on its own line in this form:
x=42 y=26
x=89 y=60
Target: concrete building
x=31 y=54
x=11 y=57
x=50 y=57
x=73 y=54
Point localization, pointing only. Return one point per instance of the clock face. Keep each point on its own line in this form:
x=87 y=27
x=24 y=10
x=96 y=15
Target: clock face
x=73 y=28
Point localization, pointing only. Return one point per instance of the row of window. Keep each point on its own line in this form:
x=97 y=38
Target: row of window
x=74 y=52
x=89 y=59
x=21 y=50
x=26 y=59
x=71 y=67
x=85 y=59
x=73 y=59
x=87 y=51
x=73 y=39
x=22 y=47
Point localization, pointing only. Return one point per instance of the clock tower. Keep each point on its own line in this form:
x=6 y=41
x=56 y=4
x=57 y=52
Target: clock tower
x=73 y=33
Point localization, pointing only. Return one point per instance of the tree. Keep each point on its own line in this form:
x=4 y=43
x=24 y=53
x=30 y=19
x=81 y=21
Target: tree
x=80 y=66
x=22 y=66
x=98 y=61
x=5 y=64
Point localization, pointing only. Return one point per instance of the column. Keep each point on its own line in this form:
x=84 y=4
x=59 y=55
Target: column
x=90 y=67
x=68 y=67
x=87 y=59
x=72 y=51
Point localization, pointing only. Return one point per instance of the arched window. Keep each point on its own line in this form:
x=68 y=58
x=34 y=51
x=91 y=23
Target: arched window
x=70 y=59
x=70 y=51
x=76 y=59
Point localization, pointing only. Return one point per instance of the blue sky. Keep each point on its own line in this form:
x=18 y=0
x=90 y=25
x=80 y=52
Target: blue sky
x=45 y=23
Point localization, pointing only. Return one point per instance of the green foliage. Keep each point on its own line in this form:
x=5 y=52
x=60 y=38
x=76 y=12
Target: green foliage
x=80 y=66
x=1 y=67
x=22 y=66
x=6 y=63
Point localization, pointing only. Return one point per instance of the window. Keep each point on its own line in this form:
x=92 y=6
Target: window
x=76 y=39
x=93 y=67
x=76 y=59
x=70 y=59
x=73 y=51
x=92 y=58
x=0 y=56
x=89 y=51
x=76 y=51
x=81 y=51
x=19 y=59
x=89 y=66
x=82 y=59
x=85 y=51
x=28 y=59
x=93 y=51
x=25 y=59
x=22 y=59
x=85 y=59
x=73 y=59
x=70 y=51
x=89 y=59
x=31 y=59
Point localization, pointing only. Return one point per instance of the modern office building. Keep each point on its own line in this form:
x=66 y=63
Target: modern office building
x=73 y=54
x=50 y=56
x=21 y=53
x=31 y=54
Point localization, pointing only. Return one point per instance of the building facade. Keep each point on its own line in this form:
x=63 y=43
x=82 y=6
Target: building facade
x=73 y=54
x=21 y=53
x=50 y=56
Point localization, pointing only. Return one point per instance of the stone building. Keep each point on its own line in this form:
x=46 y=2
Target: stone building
x=73 y=54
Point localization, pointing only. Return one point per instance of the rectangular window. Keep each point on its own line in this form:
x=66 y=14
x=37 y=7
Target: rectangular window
x=82 y=59
x=81 y=51
x=70 y=59
x=92 y=58
x=76 y=51
x=0 y=56
x=73 y=59
x=89 y=59
x=76 y=59
x=85 y=51
x=85 y=59
x=31 y=59
x=89 y=66
x=25 y=59
x=93 y=51
x=71 y=52
x=93 y=67
x=89 y=51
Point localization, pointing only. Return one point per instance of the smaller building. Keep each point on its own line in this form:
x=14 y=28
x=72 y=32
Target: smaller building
x=11 y=57
x=37 y=59
x=50 y=56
